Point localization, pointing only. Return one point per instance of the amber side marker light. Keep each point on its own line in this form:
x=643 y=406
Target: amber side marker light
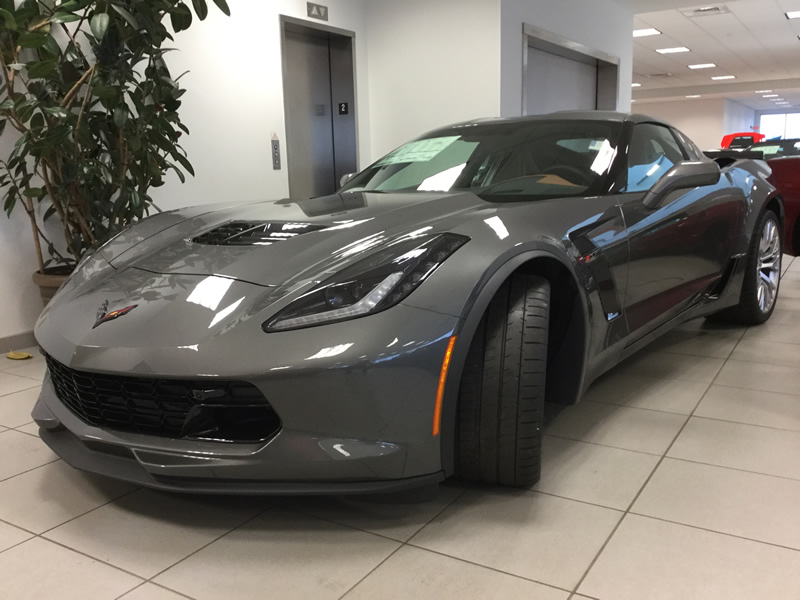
x=437 y=411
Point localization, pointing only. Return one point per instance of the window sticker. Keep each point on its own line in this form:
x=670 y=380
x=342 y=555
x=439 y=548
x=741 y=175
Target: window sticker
x=419 y=151
x=770 y=149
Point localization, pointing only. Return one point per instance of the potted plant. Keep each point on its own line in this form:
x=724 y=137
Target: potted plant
x=86 y=90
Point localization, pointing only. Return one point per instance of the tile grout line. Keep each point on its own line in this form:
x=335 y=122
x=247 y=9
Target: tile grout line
x=561 y=437
x=405 y=543
x=216 y=539
x=732 y=535
x=490 y=568
x=655 y=410
x=49 y=462
x=652 y=473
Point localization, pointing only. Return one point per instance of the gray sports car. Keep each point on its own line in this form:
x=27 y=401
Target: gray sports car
x=411 y=326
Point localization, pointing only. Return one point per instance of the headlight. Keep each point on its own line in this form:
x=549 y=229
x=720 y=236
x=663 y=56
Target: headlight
x=371 y=285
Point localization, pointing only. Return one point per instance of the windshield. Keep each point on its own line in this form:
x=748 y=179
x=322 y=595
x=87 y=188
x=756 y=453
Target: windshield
x=510 y=160
x=774 y=148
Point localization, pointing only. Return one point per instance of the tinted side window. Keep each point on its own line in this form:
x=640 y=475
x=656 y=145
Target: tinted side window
x=653 y=151
x=690 y=149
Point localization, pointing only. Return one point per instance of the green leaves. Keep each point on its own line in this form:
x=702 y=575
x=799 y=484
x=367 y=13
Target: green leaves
x=223 y=6
x=99 y=120
x=125 y=14
x=121 y=116
x=201 y=8
x=32 y=40
x=38 y=70
x=8 y=19
x=65 y=17
x=99 y=25
x=181 y=17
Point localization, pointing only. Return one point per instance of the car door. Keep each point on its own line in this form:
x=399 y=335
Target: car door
x=680 y=244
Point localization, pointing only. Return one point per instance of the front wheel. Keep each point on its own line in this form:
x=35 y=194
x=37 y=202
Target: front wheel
x=762 y=276
x=501 y=397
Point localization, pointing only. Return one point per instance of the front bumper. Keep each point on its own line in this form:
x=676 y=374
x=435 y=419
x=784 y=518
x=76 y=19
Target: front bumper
x=101 y=452
x=353 y=426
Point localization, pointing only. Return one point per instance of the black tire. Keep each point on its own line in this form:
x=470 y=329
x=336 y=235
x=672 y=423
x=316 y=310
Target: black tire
x=749 y=311
x=502 y=392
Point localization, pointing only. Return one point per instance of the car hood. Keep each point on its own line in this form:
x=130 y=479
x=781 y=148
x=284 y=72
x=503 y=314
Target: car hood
x=176 y=291
x=305 y=239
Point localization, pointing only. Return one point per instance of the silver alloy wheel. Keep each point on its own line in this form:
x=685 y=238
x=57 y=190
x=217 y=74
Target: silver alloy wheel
x=769 y=266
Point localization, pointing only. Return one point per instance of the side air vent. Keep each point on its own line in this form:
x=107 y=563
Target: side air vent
x=706 y=11
x=254 y=233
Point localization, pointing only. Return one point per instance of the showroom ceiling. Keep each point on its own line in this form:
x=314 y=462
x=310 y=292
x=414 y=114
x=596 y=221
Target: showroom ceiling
x=751 y=40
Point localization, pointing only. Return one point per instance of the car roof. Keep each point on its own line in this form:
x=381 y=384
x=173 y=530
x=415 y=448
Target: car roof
x=777 y=142
x=571 y=115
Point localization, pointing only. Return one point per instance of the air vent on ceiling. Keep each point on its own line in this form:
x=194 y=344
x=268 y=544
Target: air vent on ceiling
x=254 y=233
x=706 y=11
x=659 y=75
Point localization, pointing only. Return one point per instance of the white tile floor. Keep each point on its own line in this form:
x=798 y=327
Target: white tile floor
x=678 y=477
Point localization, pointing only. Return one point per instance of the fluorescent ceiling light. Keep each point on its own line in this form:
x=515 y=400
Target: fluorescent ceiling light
x=793 y=14
x=770 y=96
x=645 y=32
x=721 y=77
x=763 y=91
x=703 y=66
x=672 y=50
x=636 y=85
x=694 y=96
x=777 y=99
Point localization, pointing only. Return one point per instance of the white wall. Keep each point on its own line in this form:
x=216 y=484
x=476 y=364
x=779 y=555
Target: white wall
x=432 y=63
x=702 y=120
x=599 y=24
x=737 y=117
x=234 y=100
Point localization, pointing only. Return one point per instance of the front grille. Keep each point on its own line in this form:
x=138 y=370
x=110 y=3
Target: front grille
x=254 y=233
x=232 y=411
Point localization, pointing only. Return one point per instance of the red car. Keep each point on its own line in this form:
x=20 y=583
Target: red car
x=738 y=141
x=784 y=158
x=786 y=177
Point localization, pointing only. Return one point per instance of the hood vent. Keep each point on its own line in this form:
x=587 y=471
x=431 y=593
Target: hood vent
x=706 y=11
x=254 y=233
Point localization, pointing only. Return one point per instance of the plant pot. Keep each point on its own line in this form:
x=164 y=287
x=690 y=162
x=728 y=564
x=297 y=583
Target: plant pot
x=50 y=281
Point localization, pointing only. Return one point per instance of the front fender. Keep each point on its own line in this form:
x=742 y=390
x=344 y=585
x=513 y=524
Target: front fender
x=473 y=311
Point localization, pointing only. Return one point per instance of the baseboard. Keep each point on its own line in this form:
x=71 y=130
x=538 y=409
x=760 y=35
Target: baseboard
x=16 y=342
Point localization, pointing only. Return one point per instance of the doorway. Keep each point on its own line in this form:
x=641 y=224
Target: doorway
x=559 y=74
x=320 y=108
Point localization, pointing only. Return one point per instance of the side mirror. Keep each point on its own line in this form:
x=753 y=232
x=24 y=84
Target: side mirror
x=683 y=176
x=346 y=179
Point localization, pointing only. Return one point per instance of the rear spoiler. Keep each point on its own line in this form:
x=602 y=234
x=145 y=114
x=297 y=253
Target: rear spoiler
x=735 y=154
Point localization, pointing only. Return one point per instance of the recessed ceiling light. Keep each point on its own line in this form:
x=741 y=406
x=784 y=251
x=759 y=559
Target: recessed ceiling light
x=721 y=77
x=645 y=32
x=636 y=85
x=770 y=96
x=763 y=91
x=672 y=50
x=694 y=96
x=793 y=14
x=777 y=99
x=703 y=66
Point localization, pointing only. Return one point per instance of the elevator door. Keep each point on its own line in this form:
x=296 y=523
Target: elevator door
x=320 y=113
x=558 y=83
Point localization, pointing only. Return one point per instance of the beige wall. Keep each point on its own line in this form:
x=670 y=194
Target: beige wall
x=701 y=119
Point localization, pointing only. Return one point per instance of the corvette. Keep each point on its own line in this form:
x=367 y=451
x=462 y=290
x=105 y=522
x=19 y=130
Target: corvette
x=410 y=327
